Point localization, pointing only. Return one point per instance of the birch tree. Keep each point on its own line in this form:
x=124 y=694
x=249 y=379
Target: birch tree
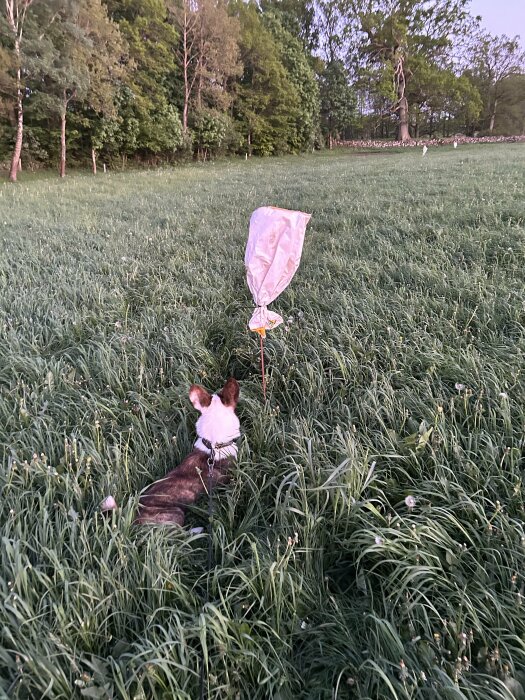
x=15 y=15
x=208 y=54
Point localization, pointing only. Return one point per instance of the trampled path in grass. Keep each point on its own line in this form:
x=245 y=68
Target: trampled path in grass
x=399 y=373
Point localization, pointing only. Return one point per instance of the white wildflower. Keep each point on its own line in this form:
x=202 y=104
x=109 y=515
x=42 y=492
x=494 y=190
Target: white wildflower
x=410 y=502
x=108 y=503
x=459 y=387
x=378 y=540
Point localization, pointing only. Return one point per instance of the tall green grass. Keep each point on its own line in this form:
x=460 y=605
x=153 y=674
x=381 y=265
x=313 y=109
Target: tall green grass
x=399 y=374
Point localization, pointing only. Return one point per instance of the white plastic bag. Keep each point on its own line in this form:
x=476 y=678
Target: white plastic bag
x=273 y=253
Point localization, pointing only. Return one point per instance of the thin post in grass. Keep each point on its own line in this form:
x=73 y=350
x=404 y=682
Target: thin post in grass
x=262 y=367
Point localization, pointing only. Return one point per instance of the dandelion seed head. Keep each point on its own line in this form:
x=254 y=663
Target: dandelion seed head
x=410 y=502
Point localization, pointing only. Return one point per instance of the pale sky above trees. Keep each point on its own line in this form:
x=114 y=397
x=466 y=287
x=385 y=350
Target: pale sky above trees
x=502 y=17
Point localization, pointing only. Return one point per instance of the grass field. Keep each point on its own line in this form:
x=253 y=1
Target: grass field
x=400 y=374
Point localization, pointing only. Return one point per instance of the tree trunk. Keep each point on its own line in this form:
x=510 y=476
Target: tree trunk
x=63 y=117
x=493 y=116
x=62 y=167
x=200 y=64
x=403 y=133
x=94 y=160
x=15 y=160
x=186 y=101
x=185 y=63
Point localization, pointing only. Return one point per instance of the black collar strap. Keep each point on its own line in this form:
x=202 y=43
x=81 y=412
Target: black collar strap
x=218 y=445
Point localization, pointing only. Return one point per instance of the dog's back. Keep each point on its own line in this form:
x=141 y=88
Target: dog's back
x=167 y=499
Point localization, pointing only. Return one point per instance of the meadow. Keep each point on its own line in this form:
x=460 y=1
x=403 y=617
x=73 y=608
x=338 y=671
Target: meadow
x=372 y=541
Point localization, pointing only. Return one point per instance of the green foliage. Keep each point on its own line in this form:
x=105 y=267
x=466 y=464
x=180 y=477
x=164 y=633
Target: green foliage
x=151 y=38
x=436 y=92
x=337 y=100
x=209 y=131
x=268 y=103
x=493 y=60
x=125 y=73
x=37 y=52
x=511 y=114
x=298 y=19
x=302 y=77
x=400 y=375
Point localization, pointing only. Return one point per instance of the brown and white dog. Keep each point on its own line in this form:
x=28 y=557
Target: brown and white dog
x=166 y=500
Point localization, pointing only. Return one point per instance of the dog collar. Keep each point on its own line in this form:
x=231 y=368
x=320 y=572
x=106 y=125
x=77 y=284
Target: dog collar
x=218 y=445
x=221 y=450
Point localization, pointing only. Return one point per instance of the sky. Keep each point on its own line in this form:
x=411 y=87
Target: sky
x=501 y=16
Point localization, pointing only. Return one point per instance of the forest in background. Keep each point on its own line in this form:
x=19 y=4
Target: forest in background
x=153 y=81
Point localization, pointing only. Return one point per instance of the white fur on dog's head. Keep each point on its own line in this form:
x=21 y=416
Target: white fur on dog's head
x=217 y=422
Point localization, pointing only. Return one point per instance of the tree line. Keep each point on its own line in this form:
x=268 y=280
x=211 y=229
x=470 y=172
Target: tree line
x=156 y=80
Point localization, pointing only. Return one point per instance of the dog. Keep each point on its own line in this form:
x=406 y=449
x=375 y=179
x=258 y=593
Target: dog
x=166 y=500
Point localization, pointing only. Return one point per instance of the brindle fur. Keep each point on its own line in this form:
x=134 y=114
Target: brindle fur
x=167 y=499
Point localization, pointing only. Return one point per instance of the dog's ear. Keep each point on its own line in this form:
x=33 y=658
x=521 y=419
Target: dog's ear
x=229 y=394
x=199 y=397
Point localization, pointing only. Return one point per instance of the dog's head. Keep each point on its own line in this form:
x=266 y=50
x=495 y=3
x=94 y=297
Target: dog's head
x=218 y=422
